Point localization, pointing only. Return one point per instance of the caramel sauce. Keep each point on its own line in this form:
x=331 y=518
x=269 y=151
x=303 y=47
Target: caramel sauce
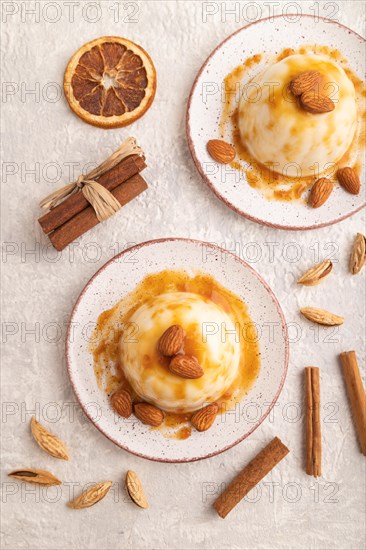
x=112 y=325
x=286 y=53
x=262 y=177
x=273 y=185
x=184 y=432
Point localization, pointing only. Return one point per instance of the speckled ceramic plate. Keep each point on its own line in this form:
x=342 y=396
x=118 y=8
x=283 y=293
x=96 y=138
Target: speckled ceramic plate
x=205 y=108
x=120 y=276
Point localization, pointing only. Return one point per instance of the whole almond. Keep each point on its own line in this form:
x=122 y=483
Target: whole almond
x=316 y=274
x=48 y=442
x=135 y=489
x=171 y=341
x=304 y=82
x=349 y=180
x=320 y=192
x=186 y=366
x=90 y=496
x=221 y=151
x=34 y=475
x=148 y=414
x=122 y=403
x=321 y=316
x=315 y=103
x=358 y=256
x=203 y=419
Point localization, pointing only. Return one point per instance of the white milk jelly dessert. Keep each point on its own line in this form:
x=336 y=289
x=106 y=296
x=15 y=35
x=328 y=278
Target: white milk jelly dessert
x=176 y=346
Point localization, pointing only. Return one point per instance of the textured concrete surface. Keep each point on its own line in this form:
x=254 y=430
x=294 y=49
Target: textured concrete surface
x=288 y=510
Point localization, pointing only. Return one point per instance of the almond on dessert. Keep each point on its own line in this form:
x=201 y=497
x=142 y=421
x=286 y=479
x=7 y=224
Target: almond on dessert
x=304 y=82
x=221 y=151
x=320 y=192
x=349 y=180
x=171 y=341
x=186 y=366
x=203 y=419
x=148 y=414
x=315 y=103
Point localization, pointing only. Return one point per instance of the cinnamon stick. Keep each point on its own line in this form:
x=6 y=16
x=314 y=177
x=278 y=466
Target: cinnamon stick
x=356 y=395
x=312 y=422
x=75 y=203
x=252 y=474
x=87 y=219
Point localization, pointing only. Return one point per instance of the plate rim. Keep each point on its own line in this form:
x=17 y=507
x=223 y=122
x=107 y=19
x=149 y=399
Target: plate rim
x=197 y=163
x=219 y=249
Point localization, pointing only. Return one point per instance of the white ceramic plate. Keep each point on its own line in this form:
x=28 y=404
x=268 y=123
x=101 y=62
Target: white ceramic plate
x=205 y=107
x=120 y=276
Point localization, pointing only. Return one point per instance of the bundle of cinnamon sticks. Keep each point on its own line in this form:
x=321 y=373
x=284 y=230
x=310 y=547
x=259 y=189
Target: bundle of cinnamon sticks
x=72 y=217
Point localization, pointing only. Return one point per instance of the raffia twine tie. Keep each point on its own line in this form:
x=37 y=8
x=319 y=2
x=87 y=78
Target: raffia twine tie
x=102 y=200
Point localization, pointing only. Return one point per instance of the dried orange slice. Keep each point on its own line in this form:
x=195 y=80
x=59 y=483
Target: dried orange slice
x=110 y=82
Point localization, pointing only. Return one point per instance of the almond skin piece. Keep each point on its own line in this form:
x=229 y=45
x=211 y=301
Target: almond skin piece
x=358 y=256
x=186 y=366
x=321 y=316
x=34 y=475
x=304 y=82
x=221 y=151
x=91 y=496
x=135 y=489
x=315 y=103
x=48 y=442
x=148 y=414
x=349 y=180
x=122 y=403
x=203 y=419
x=316 y=274
x=320 y=192
x=171 y=341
